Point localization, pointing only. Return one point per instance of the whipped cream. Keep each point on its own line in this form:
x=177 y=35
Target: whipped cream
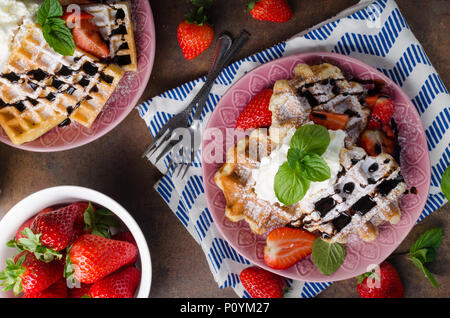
x=13 y=13
x=264 y=175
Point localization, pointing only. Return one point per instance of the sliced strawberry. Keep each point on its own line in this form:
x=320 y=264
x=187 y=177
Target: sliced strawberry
x=371 y=100
x=286 y=246
x=87 y=37
x=375 y=142
x=256 y=114
x=382 y=113
x=73 y=17
x=329 y=120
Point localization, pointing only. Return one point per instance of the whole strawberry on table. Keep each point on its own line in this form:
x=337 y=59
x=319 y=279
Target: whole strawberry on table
x=72 y=243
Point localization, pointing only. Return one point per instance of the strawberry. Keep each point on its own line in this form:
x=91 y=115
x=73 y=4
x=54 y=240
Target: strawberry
x=270 y=10
x=56 y=227
x=28 y=274
x=329 y=120
x=125 y=236
x=286 y=246
x=382 y=113
x=121 y=284
x=194 y=34
x=256 y=114
x=260 y=283
x=80 y=292
x=92 y=257
x=57 y=290
x=382 y=283
x=28 y=223
x=87 y=37
x=375 y=142
x=74 y=17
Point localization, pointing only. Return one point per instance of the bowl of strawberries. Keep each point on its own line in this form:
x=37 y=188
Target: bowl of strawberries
x=72 y=242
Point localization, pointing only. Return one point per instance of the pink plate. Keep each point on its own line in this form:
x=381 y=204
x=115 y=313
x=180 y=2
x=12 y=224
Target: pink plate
x=120 y=103
x=415 y=164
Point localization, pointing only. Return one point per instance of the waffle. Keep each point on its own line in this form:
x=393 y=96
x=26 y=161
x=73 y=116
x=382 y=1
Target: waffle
x=365 y=195
x=234 y=179
x=39 y=88
x=116 y=27
x=366 y=191
x=317 y=87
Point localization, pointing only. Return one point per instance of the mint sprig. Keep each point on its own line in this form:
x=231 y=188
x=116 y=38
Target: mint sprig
x=328 y=257
x=54 y=29
x=304 y=164
x=445 y=183
x=424 y=251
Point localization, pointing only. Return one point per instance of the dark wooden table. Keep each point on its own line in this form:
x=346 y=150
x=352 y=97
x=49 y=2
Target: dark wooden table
x=113 y=164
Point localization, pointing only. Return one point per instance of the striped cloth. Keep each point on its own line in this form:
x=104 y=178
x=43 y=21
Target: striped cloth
x=374 y=32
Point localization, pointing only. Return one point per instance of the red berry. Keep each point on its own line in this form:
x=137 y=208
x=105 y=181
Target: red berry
x=194 y=38
x=121 y=284
x=375 y=142
x=260 y=283
x=57 y=290
x=382 y=113
x=381 y=283
x=93 y=257
x=270 y=10
x=79 y=292
x=28 y=223
x=286 y=246
x=87 y=37
x=256 y=114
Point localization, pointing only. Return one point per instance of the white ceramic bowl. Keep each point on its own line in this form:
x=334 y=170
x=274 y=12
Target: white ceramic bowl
x=34 y=203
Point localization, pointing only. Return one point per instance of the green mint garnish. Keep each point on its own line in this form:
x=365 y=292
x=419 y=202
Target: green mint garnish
x=304 y=164
x=328 y=257
x=54 y=29
x=445 y=183
x=424 y=251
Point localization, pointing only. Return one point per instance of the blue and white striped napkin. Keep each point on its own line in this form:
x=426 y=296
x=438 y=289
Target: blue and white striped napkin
x=374 y=32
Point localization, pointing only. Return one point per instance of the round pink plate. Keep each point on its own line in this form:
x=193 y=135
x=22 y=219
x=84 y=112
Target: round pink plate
x=121 y=102
x=415 y=164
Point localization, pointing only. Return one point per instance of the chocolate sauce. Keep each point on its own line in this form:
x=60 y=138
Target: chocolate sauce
x=64 y=71
x=122 y=60
x=12 y=77
x=84 y=81
x=120 y=14
x=342 y=221
x=310 y=97
x=90 y=68
x=106 y=78
x=349 y=187
x=325 y=205
x=121 y=29
x=413 y=190
x=386 y=186
x=38 y=74
x=50 y=97
x=66 y=122
x=57 y=83
x=363 y=205
x=373 y=167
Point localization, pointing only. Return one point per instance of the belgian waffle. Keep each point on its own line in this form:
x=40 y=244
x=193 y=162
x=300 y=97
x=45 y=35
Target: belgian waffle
x=116 y=27
x=40 y=89
x=365 y=195
x=317 y=87
x=366 y=191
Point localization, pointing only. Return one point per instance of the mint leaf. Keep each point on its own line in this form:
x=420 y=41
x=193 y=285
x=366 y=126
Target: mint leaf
x=445 y=183
x=417 y=262
x=430 y=239
x=49 y=9
x=328 y=257
x=314 y=168
x=294 y=156
x=289 y=186
x=58 y=36
x=311 y=139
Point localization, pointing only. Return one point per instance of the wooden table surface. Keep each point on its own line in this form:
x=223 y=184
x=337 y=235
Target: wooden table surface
x=113 y=164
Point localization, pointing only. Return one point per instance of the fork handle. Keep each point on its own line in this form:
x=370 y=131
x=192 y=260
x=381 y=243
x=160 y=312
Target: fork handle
x=218 y=66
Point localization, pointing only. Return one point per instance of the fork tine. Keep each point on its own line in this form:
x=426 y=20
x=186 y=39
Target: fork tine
x=165 y=130
x=169 y=145
x=189 y=163
x=163 y=140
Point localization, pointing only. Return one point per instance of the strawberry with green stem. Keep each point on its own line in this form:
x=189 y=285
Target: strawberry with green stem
x=194 y=34
x=256 y=114
x=28 y=274
x=381 y=282
x=57 y=290
x=270 y=10
x=93 y=257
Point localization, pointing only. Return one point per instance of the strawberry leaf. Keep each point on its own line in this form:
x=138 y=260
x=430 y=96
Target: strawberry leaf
x=99 y=222
x=32 y=243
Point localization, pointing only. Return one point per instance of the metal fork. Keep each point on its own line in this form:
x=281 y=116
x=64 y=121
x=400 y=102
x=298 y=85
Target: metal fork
x=183 y=142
